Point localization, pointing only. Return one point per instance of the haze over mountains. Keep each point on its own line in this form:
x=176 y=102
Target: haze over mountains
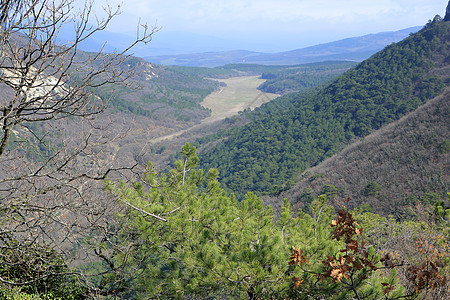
x=356 y=49
x=186 y=49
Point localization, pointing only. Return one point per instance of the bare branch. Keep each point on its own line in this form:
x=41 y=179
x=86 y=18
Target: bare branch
x=52 y=154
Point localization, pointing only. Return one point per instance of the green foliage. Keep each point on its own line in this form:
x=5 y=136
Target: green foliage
x=330 y=190
x=416 y=267
x=190 y=234
x=35 y=272
x=16 y=294
x=429 y=199
x=444 y=146
x=299 y=130
x=441 y=212
x=188 y=239
x=372 y=189
x=297 y=78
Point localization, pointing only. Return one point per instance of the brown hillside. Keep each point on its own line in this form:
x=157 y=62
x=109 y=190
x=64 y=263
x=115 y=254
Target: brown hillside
x=388 y=170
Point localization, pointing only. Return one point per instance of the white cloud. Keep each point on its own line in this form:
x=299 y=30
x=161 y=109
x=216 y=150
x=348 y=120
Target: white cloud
x=246 y=18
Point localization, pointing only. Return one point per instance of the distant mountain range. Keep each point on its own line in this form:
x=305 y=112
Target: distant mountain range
x=354 y=49
x=178 y=48
x=163 y=42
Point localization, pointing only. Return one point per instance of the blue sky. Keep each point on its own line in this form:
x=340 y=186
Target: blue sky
x=274 y=25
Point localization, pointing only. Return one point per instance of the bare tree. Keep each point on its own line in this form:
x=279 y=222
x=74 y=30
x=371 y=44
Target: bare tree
x=45 y=169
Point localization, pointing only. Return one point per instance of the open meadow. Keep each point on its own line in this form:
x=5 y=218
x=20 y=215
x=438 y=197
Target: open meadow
x=239 y=94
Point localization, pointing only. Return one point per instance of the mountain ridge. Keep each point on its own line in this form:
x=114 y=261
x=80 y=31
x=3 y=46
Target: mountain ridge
x=398 y=166
x=283 y=141
x=354 y=48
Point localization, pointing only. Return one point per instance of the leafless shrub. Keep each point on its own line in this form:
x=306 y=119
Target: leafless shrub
x=49 y=169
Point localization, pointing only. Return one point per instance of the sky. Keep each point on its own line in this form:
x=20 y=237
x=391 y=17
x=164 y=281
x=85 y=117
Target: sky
x=273 y=25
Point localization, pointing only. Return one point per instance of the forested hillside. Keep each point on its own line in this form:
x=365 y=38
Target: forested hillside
x=283 y=140
x=162 y=93
x=182 y=113
x=297 y=78
x=394 y=170
x=82 y=218
x=181 y=236
x=280 y=79
x=287 y=79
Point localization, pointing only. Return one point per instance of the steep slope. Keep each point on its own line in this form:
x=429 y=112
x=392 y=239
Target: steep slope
x=283 y=140
x=388 y=171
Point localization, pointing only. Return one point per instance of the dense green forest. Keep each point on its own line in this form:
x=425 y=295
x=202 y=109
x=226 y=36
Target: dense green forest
x=179 y=235
x=298 y=78
x=299 y=130
x=188 y=232
x=390 y=171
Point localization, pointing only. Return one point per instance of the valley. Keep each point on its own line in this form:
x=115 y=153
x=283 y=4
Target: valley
x=306 y=128
x=236 y=95
x=124 y=178
x=239 y=94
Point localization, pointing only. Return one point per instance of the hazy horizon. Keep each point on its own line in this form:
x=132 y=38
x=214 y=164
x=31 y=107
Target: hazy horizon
x=269 y=25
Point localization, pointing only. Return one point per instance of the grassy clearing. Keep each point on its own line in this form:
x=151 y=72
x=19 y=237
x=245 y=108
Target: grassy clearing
x=239 y=94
